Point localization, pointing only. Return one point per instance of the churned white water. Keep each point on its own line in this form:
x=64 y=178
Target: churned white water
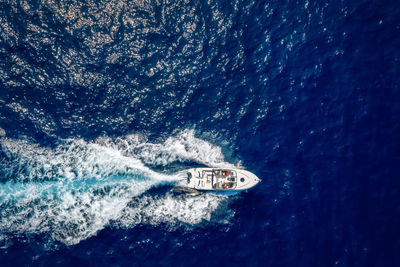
x=75 y=189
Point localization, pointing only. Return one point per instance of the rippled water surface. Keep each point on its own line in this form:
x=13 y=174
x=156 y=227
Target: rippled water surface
x=104 y=103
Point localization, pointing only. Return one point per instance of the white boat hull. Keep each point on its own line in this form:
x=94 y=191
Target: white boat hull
x=221 y=179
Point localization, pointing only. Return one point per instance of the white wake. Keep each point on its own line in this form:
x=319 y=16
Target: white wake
x=77 y=188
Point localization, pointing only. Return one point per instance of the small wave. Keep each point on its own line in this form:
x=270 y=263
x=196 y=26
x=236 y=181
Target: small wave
x=183 y=147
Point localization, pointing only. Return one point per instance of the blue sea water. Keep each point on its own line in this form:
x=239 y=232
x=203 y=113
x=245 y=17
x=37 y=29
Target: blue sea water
x=103 y=103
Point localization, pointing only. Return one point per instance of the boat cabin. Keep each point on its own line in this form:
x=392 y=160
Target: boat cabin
x=214 y=179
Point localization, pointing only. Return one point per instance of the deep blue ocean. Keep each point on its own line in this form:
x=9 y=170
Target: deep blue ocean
x=104 y=103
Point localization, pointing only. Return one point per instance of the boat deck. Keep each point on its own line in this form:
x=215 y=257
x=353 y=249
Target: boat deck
x=220 y=179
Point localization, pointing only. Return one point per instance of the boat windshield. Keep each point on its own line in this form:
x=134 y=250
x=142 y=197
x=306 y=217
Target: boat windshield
x=223 y=179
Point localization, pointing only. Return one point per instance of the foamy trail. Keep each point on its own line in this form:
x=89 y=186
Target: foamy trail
x=183 y=147
x=77 y=188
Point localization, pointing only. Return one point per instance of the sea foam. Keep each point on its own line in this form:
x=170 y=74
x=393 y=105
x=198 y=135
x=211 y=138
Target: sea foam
x=77 y=188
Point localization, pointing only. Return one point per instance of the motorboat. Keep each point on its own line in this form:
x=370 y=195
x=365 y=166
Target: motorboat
x=220 y=179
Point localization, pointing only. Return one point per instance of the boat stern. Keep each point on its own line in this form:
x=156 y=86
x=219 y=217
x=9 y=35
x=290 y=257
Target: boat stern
x=190 y=178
